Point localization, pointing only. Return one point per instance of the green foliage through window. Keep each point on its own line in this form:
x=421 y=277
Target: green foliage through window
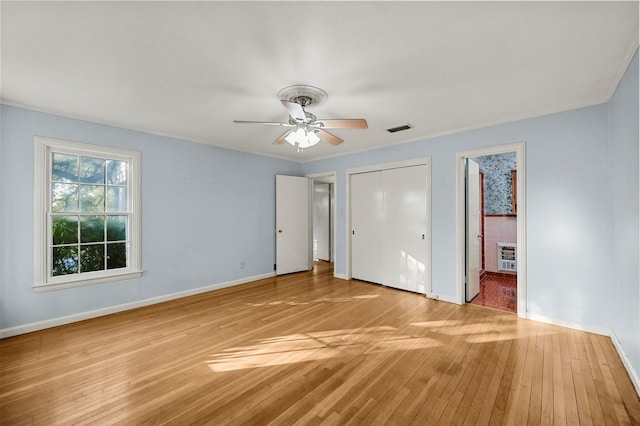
x=89 y=214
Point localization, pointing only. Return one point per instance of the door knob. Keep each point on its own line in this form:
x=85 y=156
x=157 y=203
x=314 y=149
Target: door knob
x=280 y=231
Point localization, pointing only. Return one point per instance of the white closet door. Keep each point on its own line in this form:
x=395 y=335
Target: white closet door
x=367 y=219
x=405 y=240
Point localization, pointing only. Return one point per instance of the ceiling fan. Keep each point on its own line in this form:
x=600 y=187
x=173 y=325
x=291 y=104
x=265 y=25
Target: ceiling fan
x=305 y=129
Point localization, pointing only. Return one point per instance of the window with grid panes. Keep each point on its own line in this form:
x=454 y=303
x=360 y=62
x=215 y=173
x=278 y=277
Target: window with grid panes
x=88 y=212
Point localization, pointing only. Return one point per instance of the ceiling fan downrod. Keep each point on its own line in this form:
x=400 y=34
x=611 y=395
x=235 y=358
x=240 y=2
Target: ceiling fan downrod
x=303 y=100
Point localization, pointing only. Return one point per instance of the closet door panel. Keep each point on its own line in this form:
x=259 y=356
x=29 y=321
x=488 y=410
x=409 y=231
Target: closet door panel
x=367 y=220
x=405 y=239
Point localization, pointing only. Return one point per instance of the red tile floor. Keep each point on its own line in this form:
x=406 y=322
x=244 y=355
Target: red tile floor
x=497 y=291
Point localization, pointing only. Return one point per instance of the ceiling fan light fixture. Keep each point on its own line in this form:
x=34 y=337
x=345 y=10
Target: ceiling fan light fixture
x=313 y=138
x=302 y=138
x=291 y=138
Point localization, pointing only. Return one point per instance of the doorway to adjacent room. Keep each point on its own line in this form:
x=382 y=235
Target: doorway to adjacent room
x=491 y=256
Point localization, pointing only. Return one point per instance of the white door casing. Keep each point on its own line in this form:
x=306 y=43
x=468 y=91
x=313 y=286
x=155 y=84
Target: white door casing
x=473 y=226
x=292 y=224
x=521 y=250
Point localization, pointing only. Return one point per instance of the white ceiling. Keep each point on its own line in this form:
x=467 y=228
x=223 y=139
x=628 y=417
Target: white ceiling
x=188 y=69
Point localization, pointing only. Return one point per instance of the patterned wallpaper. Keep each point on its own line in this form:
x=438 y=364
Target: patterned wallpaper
x=497 y=181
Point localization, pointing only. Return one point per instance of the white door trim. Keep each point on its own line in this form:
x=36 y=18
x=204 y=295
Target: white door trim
x=292 y=214
x=521 y=250
x=377 y=167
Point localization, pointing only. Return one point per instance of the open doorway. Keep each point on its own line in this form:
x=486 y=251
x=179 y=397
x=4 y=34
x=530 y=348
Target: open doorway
x=491 y=210
x=491 y=256
x=323 y=220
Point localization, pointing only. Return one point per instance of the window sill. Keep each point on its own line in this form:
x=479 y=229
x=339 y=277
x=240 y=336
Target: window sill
x=84 y=282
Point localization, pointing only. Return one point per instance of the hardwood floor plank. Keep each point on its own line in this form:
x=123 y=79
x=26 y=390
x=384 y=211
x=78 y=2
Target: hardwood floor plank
x=492 y=389
x=581 y=392
x=569 y=388
x=505 y=412
x=522 y=406
x=547 y=395
x=311 y=349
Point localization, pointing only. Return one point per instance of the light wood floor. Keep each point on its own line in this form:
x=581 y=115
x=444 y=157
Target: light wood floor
x=310 y=349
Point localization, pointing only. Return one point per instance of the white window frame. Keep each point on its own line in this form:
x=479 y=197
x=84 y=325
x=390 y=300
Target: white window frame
x=44 y=281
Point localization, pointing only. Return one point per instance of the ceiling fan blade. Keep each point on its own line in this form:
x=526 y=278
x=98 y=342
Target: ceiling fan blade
x=349 y=123
x=270 y=123
x=295 y=110
x=281 y=138
x=332 y=139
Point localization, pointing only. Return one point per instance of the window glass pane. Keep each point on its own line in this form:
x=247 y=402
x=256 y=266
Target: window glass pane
x=91 y=229
x=92 y=258
x=91 y=170
x=64 y=168
x=64 y=197
x=117 y=228
x=64 y=229
x=116 y=172
x=116 y=199
x=65 y=260
x=116 y=255
x=91 y=198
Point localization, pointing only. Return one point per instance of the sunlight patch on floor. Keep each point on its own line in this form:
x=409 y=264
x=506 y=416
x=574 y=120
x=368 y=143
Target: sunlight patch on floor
x=477 y=332
x=315 y=346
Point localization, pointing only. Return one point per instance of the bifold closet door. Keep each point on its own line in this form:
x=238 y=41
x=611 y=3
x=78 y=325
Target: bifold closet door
x=389 y=217
x=405 y=247
x=367 y=218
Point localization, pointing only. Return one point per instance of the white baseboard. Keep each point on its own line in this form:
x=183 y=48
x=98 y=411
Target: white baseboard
x=443 y=297
x=633 y=374
x=54 y=322
x=596 y=329
x=340 y=276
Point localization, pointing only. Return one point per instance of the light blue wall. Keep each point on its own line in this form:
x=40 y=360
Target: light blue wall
x=568 y=213
x=204 y=209
x=625 y=180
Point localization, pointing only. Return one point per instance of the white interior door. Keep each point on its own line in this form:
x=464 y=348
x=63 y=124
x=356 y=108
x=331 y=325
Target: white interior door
x=473 y=226
x=292 y=224
x=367 y=219
x=405 y=247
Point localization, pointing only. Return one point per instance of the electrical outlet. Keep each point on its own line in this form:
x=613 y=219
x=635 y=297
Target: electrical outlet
x=242 y=264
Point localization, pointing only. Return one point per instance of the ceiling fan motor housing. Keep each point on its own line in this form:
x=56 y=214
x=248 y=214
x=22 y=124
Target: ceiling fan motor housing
x=303 y=95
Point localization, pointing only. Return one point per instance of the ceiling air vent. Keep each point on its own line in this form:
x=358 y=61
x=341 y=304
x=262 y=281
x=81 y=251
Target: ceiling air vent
x=400 y=128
